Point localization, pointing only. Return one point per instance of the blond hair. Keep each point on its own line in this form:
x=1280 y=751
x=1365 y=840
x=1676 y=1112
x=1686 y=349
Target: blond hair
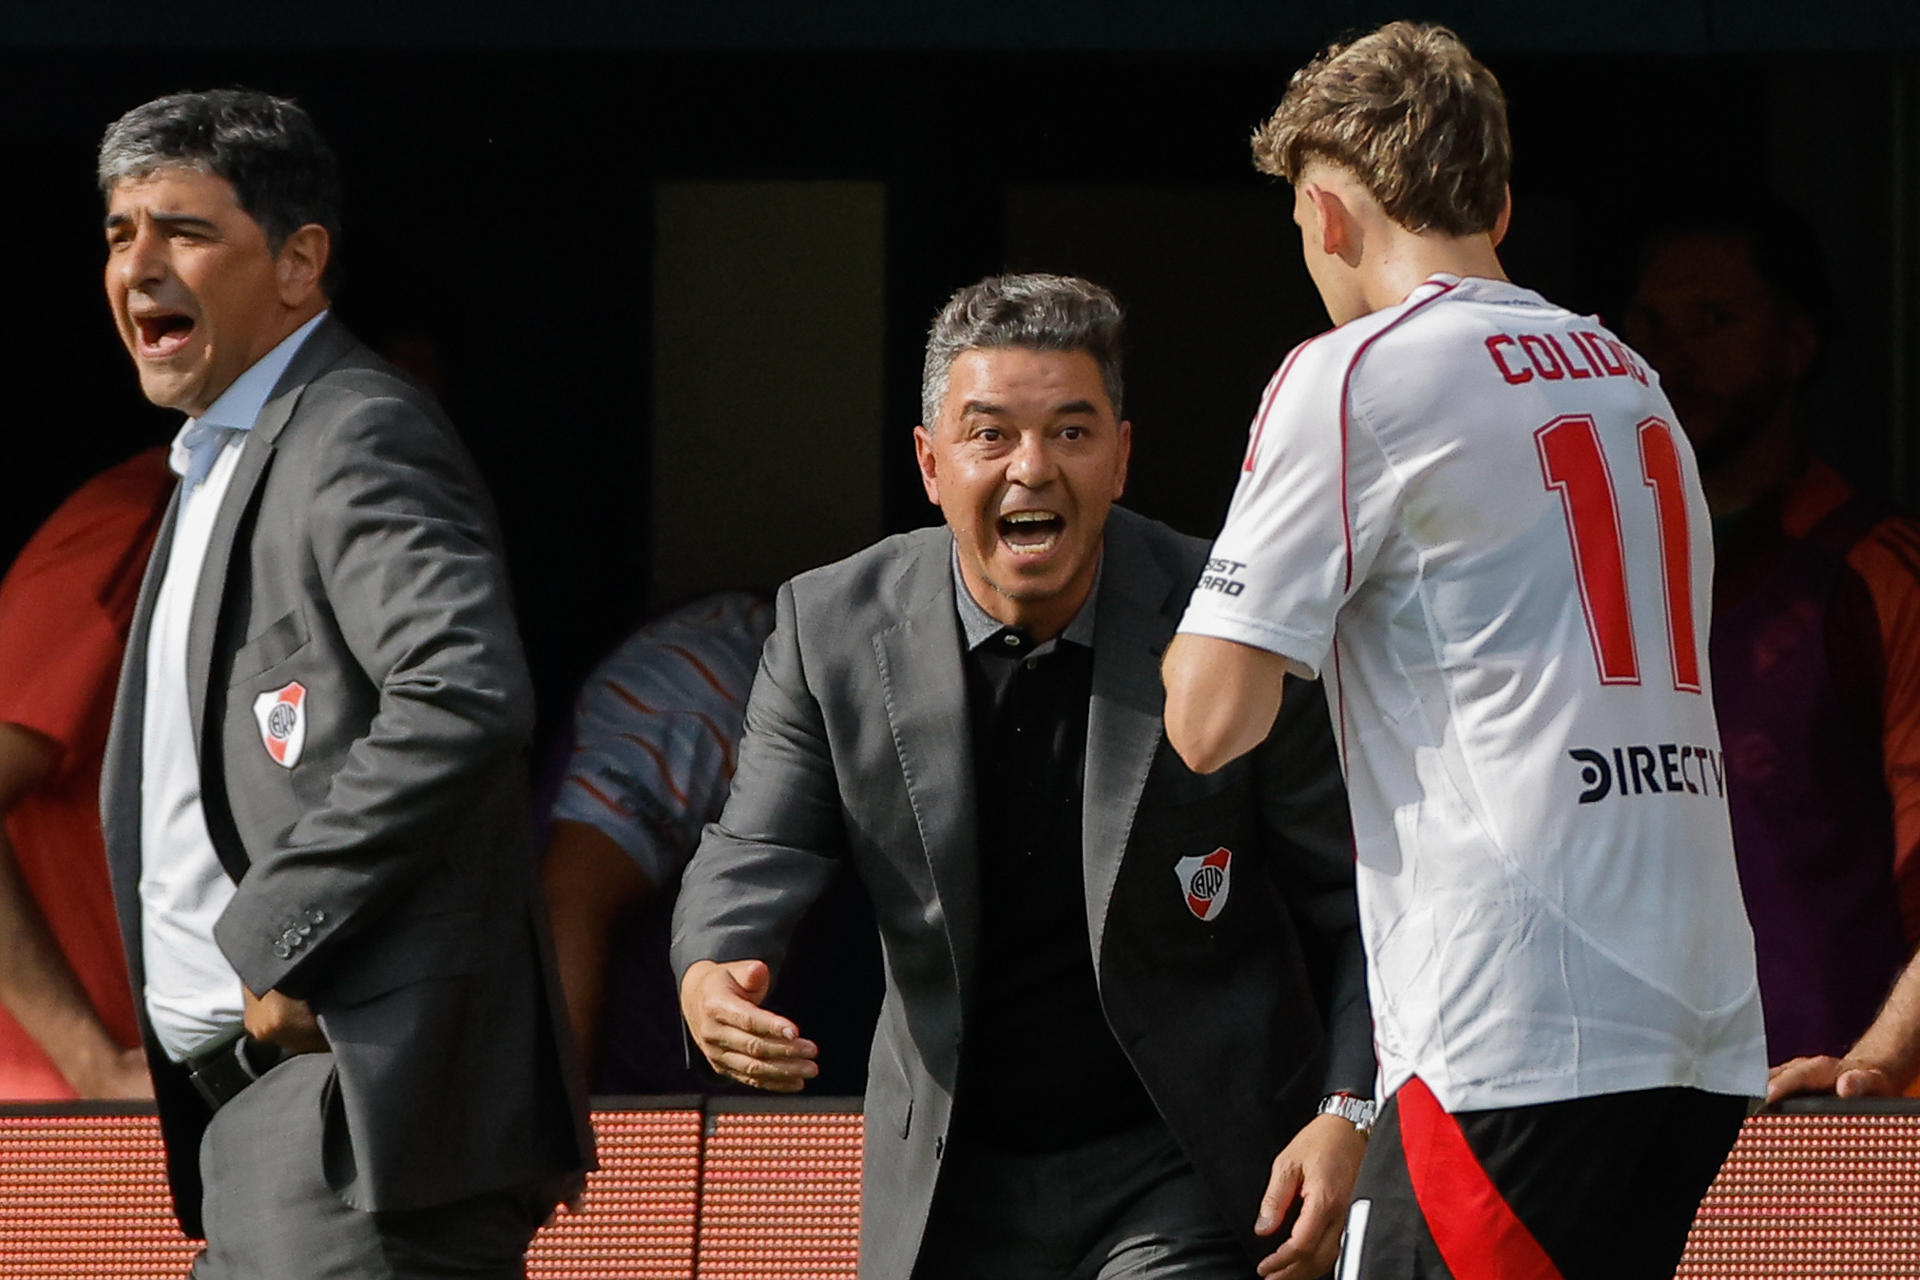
x=1411 y=114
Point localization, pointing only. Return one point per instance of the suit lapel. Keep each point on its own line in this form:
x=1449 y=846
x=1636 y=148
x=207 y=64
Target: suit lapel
x=923 y=678
x=1132 y=630
x=120 y=771
x=242 y=490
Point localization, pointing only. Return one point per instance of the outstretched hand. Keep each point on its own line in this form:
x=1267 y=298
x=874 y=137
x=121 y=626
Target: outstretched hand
x=1315 y=1171
x=742 y=1041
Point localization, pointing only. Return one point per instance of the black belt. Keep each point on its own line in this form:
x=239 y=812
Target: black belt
x=221 y=1070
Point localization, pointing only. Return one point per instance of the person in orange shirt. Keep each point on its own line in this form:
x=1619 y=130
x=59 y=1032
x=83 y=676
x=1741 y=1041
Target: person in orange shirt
x=1815 y=650
x=67 y=1025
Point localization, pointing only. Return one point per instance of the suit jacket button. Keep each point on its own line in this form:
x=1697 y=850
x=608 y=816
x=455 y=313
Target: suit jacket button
x=282 y=950
x=291 y=937
x=316 y=916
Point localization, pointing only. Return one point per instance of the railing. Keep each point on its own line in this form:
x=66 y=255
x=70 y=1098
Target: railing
x=746 y=1188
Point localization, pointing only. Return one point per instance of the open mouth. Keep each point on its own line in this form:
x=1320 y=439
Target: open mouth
x=162 y=333
x=1030 y=532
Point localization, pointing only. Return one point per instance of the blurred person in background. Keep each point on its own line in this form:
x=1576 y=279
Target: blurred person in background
x=67 y=1027
x=1815 y=645
x=647 y=766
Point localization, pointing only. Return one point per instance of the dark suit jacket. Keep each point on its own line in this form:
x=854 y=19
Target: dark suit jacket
x=856 y=752
x=387 y=877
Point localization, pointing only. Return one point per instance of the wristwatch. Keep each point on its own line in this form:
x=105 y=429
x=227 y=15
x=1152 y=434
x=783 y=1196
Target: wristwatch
x=1358 y=1112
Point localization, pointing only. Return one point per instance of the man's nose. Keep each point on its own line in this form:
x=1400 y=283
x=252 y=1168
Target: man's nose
x=144 y=259
x=1033 y=463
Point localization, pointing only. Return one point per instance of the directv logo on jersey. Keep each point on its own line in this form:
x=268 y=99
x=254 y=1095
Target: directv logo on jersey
x=1219 y=577
x=1651 y=770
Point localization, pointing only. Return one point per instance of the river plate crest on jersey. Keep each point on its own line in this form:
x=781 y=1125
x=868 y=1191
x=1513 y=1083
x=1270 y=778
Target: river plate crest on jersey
x=1206 y=881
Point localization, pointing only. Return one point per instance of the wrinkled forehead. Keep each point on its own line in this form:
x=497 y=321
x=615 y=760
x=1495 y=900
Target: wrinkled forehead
x=1026 y=378
x=185 y=181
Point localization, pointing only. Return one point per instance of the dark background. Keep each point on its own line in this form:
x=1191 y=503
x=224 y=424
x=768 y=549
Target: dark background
x=503 y=165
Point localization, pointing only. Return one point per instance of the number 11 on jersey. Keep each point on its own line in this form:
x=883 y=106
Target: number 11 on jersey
x=1572 y=463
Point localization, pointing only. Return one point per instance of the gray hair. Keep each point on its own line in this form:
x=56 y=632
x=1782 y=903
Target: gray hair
x=1037 y=312
x=281 y=169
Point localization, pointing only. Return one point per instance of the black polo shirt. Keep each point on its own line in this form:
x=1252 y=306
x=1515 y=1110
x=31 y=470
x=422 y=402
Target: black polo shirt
x=1039 y=1069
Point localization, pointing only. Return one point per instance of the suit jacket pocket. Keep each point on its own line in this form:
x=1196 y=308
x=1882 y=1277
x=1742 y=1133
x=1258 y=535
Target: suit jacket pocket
x=282 y=638
x=396 y=952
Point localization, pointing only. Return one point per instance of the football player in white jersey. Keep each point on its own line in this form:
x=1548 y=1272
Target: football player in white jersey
x=1474 y=514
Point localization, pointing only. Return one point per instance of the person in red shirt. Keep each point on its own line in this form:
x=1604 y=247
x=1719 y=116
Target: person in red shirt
x=1816 y=622
x=67 y=1026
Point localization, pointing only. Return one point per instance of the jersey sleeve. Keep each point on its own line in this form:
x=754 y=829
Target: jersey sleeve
x=1888 y=561
x=649 y=781
x=656 y=729
x=68 y=598
x=1306 y=520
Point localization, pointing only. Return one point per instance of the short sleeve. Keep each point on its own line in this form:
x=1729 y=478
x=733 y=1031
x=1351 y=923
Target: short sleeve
x=1888 y=562
x=1304 y=522
x=656 y=729
x=67 y=601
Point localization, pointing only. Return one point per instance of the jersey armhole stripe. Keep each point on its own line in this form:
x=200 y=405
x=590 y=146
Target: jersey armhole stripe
x=1266 y=400
x=1346 y=393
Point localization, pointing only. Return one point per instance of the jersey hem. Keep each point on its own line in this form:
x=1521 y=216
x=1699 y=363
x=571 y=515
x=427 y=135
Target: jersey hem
x=1629 y=1078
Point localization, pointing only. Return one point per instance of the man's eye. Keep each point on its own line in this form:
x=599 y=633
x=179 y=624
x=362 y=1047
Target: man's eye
x=988 y=435
x=1073 y=431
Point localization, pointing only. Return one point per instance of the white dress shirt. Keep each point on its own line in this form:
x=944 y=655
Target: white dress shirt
x=193 y=996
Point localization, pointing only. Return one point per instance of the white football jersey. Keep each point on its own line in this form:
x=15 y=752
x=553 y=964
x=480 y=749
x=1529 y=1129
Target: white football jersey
x=1481 y=504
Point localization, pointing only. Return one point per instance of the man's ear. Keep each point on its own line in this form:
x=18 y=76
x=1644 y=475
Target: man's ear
x=1334 y=225
x=1500 y=223
x=923 y=454
x=301 y=262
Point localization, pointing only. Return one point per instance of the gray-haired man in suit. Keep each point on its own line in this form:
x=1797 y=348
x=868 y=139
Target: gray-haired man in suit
x=1099 y=1025
x=314 y=797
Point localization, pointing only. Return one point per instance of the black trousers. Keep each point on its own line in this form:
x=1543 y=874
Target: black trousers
x=1599 y=1188
x=1124 y=1207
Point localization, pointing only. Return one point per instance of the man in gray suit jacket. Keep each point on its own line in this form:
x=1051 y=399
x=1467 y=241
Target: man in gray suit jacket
x=314 y=797
x=1115 y=989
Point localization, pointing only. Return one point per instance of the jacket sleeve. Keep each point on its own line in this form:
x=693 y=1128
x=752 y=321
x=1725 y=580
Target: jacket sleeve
x=781 y=837
x=405 y=554
x=1304 y=811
